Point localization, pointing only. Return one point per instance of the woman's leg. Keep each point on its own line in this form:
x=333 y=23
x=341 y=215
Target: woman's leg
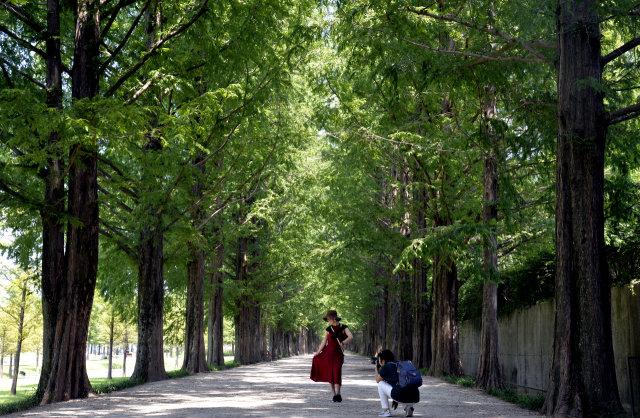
x=338 y=389
x=333 y=389
x=384 y=390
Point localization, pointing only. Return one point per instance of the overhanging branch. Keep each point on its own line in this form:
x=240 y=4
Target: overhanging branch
x=624 y=114
x=154 y=48
x=620 y=51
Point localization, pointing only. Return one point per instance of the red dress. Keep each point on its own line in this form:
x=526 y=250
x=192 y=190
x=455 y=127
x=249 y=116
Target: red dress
x=327 y=366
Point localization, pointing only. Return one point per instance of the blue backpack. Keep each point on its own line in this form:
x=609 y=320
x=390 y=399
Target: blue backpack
x=408 y=376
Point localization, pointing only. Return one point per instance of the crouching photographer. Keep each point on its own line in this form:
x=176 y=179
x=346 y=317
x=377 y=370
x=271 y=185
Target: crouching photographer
x=390 y=385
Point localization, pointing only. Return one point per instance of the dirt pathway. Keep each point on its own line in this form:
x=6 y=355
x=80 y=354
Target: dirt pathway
x=278 y=389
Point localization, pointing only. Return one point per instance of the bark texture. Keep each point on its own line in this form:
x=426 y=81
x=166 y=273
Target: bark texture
x=68 y=375
x=195 y=360
x=582 y=376
x=52 y=227
x=445 y=357
x=489 y=371
x=110 y=371
x=150 y=353
x=194 y=352
x=215 y=355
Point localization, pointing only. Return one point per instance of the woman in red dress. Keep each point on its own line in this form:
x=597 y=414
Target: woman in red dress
x=327 y=362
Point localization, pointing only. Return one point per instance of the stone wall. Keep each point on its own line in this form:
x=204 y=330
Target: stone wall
x=526 y=342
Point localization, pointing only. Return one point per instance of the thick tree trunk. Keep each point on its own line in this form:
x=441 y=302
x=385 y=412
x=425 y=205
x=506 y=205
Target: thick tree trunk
x=150 y=353
x=52 y=276
x=489 y=371
x=109 y=372
x=243 y=317
x=421 y=317
x=215 y=356
x=582 y=378
x=195 y=360
x=194 y=353
x=68 y=375
x=445 y=357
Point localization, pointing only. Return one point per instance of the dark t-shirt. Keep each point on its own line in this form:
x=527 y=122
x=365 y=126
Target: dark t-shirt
x=390 y=375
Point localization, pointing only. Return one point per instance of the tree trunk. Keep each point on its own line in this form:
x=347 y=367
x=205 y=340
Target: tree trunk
x=16 y=371
x=52 y=276
x=242 y=318
x=109 y=372
x=194 y=353
x=150 y=353
x=195 y=360
x=125 y=351
x=489 y=371
x=445 y=357
x=4 y=334
x=421 y=318
x=582 y=378
x=68 y=375
x=216 y=315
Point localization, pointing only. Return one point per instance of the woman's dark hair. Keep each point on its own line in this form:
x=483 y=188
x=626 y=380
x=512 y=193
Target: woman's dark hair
x=386 y=355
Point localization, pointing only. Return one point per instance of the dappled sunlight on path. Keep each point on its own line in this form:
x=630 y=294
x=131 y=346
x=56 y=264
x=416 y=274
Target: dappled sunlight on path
x=277 y=389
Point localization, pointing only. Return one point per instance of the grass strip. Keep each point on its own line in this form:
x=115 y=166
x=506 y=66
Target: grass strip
x=27 y=399
x=525 y=401
x=507 y=394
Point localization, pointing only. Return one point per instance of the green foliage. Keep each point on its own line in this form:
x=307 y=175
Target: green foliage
x=228 y=365
x=27 y=402
x=525 y=401
x=460 y=380
x=114 y=385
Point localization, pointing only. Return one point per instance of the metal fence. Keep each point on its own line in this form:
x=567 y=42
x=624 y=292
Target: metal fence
x=633 y=376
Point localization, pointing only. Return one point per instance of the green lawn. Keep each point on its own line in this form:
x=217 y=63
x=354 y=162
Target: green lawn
x=22 y=393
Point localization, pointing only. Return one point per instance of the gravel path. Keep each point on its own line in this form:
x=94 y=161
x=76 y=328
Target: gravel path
x=277 y=389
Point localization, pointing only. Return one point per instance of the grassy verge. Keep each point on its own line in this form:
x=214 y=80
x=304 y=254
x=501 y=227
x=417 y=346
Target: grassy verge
x=228 y=365
x=26 y=398
x=525 y=401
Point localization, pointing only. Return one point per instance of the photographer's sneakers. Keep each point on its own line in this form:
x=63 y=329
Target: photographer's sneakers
x=386 y=413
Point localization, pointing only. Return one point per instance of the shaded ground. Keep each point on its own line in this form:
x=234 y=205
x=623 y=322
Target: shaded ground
x=277 y=389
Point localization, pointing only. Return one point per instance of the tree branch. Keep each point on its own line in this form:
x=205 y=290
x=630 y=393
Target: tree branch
x=21 y=41
x=155 y=47
x=25 y=75
x=464 y=54
x=120 y=245
x=6 y=76
x=22 y=15
x=620 y=51
x=126 y=37
x=149 y=82
x=496 y=33
x=113 y=13
x=622 y=115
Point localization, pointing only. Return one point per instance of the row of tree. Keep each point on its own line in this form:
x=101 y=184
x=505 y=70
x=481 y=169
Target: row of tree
x=166 y=157
x=478 y=132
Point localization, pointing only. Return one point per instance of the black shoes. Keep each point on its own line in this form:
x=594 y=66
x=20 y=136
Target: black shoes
x=394 y=405
x=337 y=398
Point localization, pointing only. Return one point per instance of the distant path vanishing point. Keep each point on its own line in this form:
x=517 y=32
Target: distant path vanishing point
x=278 y=389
